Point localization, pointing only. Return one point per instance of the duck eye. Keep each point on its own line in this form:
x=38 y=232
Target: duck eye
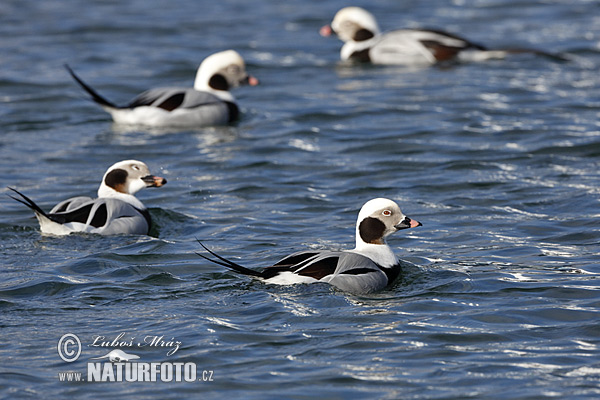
x=387 y=213
x=136 y=167
x=234 y=69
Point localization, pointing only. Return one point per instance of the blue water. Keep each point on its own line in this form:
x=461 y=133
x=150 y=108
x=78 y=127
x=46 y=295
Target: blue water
x=500 y=297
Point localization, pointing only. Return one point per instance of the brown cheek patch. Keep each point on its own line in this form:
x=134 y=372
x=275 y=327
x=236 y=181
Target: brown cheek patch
x=218 y=82
x=363 y=34
x=371 y=230
x=116 y=179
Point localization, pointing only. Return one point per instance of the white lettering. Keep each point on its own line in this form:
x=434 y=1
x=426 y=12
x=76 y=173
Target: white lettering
x=142 y=372
x=178 y=369
x=190 y=372
x=108 y=375
x=94 y=372
x=166 y=372
x=207 y=376
x=155 y=369
x=131 y=374
x=158 y=341
x=101 y=341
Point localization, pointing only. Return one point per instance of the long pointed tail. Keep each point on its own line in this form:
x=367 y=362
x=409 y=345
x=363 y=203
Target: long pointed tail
x=229 y=264
x=31 y=204
x=542 y=53
x=95 y=96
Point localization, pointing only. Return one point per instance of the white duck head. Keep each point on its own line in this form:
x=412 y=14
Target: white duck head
x=379 y=218
x=222 y=71
x=352 y=24
x=125 y=178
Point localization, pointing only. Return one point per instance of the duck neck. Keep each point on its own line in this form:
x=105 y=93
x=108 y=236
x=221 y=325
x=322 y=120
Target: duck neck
x=381 y=254
x=351 y=47
x=108 y=192
x=201 y=84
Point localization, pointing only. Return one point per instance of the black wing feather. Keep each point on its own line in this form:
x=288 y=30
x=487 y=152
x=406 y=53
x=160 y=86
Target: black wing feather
x=82 y=214
x=172 y=102
x=300 y=264
x=468 y=43
x=320 y=269
x=174 y=98
x=294 y=259
x=358 y=271
x=146 y=98
x=100 y=216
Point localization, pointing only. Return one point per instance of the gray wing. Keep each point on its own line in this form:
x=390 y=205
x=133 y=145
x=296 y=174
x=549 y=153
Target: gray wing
x=294 y=262
x=350 y=272
x=318 y=264
x=411 y=46
x=296 y=259
x=70 y=204
x=173 y=98
x=122 y=218
x=104 y=216
x=399 y=47
x=357 y=274
x=334 y=263
x=345 y=270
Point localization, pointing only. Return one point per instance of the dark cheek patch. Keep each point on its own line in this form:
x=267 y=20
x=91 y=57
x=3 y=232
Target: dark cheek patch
x=218 y=82
x=362 y=34
x=371 y=230
x=116 y=179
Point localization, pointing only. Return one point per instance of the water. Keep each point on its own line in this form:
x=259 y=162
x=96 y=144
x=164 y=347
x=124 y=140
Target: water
x=499 y=160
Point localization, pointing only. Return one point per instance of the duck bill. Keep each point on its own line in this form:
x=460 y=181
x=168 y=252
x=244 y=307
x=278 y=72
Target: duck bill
x=326 y=30
x=250 y=80
x=154 y=181
x=408 y=223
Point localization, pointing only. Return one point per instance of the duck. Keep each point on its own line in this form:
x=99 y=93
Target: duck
x=370 y=267
x=208 y=103
x=115 y=211
x=364 y=42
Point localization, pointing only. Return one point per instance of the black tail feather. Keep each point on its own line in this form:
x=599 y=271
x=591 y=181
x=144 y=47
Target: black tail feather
x=542 y=53
x=229 y=264
x=95 y=96
x=29 y=203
